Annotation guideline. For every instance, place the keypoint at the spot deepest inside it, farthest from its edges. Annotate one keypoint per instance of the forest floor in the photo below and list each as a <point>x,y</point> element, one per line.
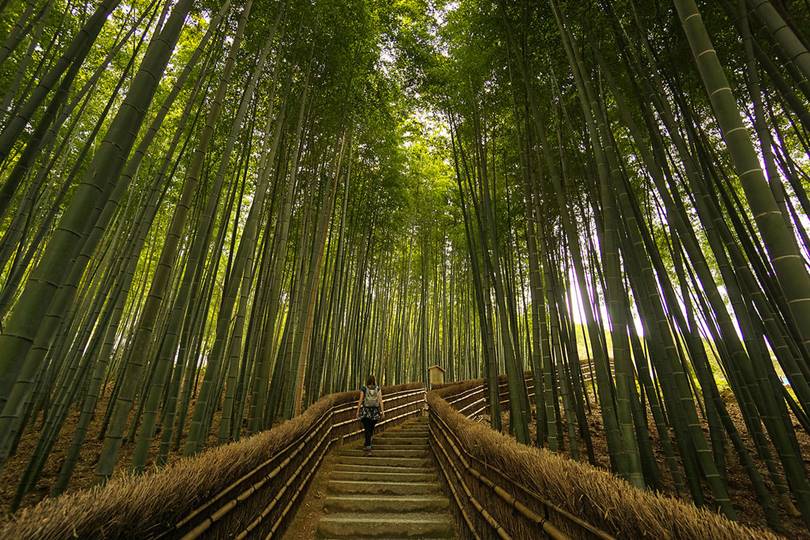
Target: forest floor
<point>750,513</point>
<point>84,472</point>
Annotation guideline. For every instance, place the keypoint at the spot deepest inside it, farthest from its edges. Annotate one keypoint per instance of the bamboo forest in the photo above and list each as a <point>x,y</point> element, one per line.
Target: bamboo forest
<point>569,240</point>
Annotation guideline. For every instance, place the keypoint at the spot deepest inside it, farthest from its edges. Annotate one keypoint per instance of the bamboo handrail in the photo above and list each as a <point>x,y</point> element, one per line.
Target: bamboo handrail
<point>454,492</point>
<point>282,459</point>
<point>329,429</point>
<point>539,498</point>
<point>509,499</point>
<point>505,476</point>
<point>295,474</point>
<point>294,497</point>
<point>394,396</point>
<point>476,402</point>
<point>257,521</point>
<point>243,496</point>
<point>464,394</point>
<point>296,442</point>
<point>350,420</point>
<point>548,527</point>
<point>489,518</point>
<point>357,432</point>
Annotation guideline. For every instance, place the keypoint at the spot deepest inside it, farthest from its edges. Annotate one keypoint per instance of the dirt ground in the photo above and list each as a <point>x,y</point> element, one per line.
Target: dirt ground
<point>305,523</point>
<point>83,473</point>
<point>740,490</point>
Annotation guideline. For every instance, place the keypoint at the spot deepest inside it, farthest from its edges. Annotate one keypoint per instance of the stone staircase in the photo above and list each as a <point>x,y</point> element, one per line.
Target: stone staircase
<point>392,493</point>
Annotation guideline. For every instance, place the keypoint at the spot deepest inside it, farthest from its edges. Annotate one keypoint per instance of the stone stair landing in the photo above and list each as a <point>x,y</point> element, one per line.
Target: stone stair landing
<point>393,492</point>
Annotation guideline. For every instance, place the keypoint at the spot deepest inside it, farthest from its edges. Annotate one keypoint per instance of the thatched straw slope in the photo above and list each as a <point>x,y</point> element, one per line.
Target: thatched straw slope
<point>596,496</point>
<point>144,506</point>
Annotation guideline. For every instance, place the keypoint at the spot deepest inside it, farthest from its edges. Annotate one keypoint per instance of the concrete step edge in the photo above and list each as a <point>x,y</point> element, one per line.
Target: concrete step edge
<point>372,505</point>
<point>417,524</point>
<point>372,459</point>
<point>429,476</point>
<point>355,487</point>
<point>372,499</point>
<point>364,482</point>
<point>348,467</point>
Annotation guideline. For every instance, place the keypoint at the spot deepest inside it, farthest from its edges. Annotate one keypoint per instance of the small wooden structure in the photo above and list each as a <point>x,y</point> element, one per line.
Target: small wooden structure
<point>435,375</point>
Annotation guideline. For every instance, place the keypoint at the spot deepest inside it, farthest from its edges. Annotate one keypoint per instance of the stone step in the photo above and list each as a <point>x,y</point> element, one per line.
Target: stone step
<point>404,433</point>
<point>390,461</point>
<point>385,469</point>
<point>391,439</point>
<point>419,431</point>
<point>400,444</point>
<point>361,525</point>
<point>392,474</point>
<point>388,446</point>
<point>401,439</point>
<point>358,487</point>
<point>385,452</point>
<point>390,503</point>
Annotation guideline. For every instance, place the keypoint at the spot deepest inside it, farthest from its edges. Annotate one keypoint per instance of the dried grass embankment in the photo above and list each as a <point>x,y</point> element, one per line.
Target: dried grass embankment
<point>147,505</point>
<point>595,496</point>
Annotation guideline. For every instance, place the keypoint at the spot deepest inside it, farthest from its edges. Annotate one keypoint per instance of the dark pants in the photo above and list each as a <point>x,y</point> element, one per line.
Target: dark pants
<point>368,429</point>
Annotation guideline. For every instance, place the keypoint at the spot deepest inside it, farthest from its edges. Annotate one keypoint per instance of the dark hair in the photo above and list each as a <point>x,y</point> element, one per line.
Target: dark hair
<point>371,381</point>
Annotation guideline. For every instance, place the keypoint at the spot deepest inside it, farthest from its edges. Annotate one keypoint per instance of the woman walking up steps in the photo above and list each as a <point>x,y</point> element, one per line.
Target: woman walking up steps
<point>370,409</point>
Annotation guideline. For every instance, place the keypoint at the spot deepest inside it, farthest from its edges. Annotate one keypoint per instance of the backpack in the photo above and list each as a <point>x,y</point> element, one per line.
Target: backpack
<point>372,398</point>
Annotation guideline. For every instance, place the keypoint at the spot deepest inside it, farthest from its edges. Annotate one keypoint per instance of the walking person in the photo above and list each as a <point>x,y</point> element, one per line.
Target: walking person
<point>370,409</point>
